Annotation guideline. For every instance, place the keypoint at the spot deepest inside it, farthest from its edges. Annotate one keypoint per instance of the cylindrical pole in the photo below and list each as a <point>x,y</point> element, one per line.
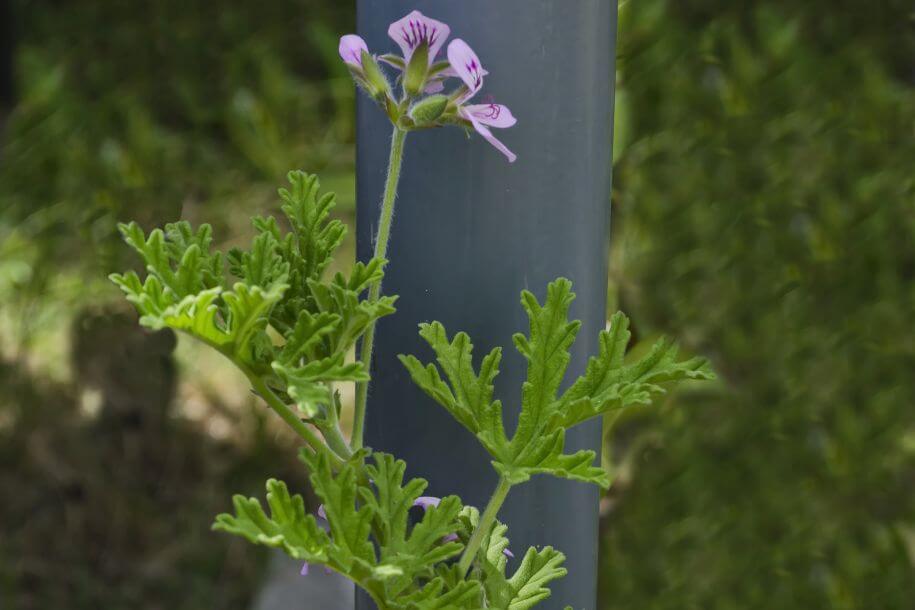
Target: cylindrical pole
<point>471,231</point>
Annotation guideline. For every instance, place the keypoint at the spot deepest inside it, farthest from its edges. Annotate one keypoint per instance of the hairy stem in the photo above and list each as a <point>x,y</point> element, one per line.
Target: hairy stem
<point>331,428</point>
<point>336,442</point>
<point>381,250</point>
<point>485,524</point>
<point>300,427</point>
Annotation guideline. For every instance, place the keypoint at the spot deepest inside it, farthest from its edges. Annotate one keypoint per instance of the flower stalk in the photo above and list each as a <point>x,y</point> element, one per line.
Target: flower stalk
<point>300,427</point>
<point>485,524</point>
<point>381,248</point>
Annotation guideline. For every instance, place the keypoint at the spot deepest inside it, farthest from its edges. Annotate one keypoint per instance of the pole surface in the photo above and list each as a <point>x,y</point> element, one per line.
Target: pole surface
<point>471,231</point>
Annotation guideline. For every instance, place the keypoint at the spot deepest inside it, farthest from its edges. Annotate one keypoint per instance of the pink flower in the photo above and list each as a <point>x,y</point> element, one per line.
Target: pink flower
<point>427,501</point>
<point>351,48</point>
<point>468,68</point>
<point>411,31</point>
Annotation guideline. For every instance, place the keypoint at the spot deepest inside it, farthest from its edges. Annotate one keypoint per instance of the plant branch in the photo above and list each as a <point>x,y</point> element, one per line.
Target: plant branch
<point>331,427</point>
<point>381,250</point>
<point>300,427</point>
<point>485,525</point>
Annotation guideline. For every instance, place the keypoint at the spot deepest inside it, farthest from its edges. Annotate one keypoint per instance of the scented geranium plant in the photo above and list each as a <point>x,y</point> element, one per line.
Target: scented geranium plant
<point>274,311</point>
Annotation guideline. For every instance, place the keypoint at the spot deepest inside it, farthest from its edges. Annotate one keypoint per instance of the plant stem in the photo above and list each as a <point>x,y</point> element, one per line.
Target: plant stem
<point>331,428</point>
<point>381,250</point>
<point>485,525</point>
<point>292,419</point>
<point>336,442</point>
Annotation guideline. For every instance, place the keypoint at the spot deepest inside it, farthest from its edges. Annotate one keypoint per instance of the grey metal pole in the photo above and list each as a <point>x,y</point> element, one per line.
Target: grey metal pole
<point>471,231</point>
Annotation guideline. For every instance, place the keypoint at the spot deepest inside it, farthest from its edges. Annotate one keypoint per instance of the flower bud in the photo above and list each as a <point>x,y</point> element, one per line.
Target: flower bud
<point>428,110</point>
<point>414,80</point>
<point>374,79</point>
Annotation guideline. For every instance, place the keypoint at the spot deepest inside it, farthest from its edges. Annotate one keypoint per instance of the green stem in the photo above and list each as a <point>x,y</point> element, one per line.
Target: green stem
<point>331,428</point>
<point>292,419</point>
<point>381,250</point>
<point>336,442</point>
<point>485,525</point>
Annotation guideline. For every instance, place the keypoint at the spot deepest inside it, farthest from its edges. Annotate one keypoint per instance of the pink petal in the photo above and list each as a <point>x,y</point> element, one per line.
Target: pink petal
<point>436,82</point>
<point>351,48</point>
<point>484,131</point>
<point>466,65</point>
<point>435,85</point>
<point>495,115</point>
<point>414,29</point>
<point>427,501</point>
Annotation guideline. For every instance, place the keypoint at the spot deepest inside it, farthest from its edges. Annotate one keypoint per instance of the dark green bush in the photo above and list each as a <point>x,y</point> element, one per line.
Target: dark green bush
<point>765,213</point>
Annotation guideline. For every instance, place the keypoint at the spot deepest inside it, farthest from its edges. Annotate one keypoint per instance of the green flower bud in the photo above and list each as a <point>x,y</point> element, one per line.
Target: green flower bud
<point>414,80</point>
<point>428,110</point>
<point>375,80</point>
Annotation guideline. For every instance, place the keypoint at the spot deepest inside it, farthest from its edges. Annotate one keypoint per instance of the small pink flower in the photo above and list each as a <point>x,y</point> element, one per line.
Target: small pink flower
<point>409,33</point>
<point>415,29</point>
<point>351,48</point>
<point>468,68</point>
<point>427,501</point>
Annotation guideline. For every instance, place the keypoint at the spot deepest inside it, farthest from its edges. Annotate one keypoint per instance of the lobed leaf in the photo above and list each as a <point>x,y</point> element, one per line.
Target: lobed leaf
<point>288,527</point>
<point>467,395</point>
<point>309,385</point>
<point>537,445</point>
<point>609,385</point>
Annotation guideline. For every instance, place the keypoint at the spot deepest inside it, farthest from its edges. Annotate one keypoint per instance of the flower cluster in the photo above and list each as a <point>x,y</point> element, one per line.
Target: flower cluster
<point>423,77</point>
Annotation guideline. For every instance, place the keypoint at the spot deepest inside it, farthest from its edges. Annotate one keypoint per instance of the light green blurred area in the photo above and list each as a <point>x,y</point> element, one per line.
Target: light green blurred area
<point>763,214</point>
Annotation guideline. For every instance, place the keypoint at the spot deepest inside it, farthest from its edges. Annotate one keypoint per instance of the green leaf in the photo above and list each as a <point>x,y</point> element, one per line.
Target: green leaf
<point>305,338</point>
<point>527,586</point>
<point>468,395</point>
<point>308,385</point>
<point>609,385</point>
<point>338,298</point>
<point>391,502</point>
<point>436,596</point>
<point>178,257</point>
<point>406,556</point>
<point>249,310</point>
<point>178,292</point>
<point>288,527</point>
<point>415,551</point>
<point>491,557</point>
<point>537,445</point>
<point>374,540</point>
<point>262,265</point>
<point>232,332</point>
<point>316,235</point>
<point>547,354</point>
<point>350,524</point>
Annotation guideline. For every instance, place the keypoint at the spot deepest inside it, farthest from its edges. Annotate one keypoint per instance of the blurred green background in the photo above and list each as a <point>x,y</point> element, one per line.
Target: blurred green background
<point>763,213</point>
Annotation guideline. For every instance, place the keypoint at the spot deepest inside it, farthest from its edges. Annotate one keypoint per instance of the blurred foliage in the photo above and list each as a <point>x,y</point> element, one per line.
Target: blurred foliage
<point>765,212</point>
<point>151,111</point>
<point>156,109</point>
